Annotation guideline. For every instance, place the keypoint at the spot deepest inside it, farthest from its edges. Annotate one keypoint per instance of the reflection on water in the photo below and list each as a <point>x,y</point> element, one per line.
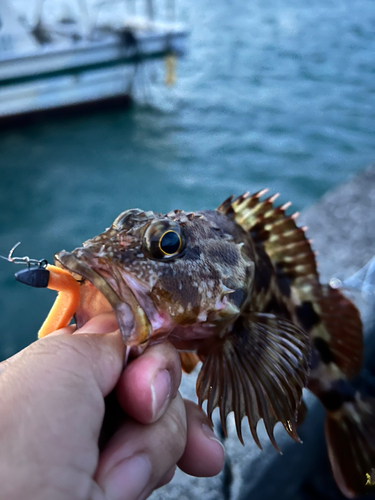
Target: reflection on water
<point>276,94</point>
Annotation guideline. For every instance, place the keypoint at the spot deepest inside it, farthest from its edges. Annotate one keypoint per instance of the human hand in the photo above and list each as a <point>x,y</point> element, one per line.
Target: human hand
<point>52,409</point>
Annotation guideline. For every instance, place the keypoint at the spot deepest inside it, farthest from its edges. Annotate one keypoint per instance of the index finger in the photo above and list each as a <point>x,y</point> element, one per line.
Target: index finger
<point>150,382</point>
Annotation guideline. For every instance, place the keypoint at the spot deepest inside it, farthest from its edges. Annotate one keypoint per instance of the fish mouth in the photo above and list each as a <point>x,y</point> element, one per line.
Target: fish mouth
<point>132,320</point>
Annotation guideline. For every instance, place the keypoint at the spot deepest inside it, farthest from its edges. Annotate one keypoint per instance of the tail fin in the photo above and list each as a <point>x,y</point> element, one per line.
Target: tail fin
<point>350,436</point>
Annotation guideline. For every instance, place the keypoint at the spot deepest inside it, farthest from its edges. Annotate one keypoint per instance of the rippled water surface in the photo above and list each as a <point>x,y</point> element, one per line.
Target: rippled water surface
<point>277,94</point>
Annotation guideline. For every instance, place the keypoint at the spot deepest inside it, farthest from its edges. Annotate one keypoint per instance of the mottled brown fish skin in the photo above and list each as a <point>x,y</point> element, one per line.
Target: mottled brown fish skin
<point>238,289</point>
<point>289,286</point>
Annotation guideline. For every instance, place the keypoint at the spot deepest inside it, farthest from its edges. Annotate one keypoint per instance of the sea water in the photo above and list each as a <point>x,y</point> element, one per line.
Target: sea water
<point>277,94</point>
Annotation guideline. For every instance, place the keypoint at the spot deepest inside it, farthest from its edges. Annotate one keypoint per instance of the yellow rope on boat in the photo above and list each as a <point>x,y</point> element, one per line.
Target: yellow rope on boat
<point>170,66</point>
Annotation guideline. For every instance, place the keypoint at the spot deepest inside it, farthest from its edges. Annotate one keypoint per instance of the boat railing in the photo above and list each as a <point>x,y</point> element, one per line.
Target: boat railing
<point>132,12</point>
<point>149,9</point>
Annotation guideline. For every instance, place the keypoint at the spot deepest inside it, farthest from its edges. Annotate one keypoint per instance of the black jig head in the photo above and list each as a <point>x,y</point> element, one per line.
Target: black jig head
<point>35,274</point>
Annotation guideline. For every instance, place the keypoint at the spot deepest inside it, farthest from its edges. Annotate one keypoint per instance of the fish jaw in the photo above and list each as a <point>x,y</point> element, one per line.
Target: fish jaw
<point>106,288</point>
<point>101,292</point>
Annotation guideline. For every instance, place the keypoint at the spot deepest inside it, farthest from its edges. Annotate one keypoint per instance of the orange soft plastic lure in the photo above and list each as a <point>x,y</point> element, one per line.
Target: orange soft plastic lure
<point>68,293</point>
<point>40,274</point>
<point>66,302</point>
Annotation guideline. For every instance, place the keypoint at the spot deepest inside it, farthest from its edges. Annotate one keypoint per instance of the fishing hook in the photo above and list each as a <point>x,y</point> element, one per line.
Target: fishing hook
<point>24,260</point>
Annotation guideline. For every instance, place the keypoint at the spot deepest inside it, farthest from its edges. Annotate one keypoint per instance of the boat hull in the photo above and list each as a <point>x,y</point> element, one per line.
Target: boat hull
<point>73,71</point>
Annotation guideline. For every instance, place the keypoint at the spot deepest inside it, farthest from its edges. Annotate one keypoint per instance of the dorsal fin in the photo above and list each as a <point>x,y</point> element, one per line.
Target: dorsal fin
<point>269,226</point>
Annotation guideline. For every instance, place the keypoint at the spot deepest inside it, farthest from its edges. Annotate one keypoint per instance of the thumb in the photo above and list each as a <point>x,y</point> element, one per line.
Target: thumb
<point>109,350</point>
<point>97,346</point>
<point>90,353</point>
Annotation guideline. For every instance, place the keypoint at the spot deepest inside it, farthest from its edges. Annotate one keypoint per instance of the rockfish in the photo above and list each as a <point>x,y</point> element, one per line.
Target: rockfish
<point>238,289</point>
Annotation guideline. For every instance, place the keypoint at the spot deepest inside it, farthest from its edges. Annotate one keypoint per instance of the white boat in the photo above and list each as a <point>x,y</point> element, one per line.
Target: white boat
<point>69,63</point>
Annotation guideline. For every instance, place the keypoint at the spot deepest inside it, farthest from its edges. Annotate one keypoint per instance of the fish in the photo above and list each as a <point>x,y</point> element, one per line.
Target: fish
<point>237,289</point>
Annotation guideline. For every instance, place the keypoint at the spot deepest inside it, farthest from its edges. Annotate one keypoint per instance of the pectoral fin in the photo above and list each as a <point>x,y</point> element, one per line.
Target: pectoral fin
<point>257,370</point>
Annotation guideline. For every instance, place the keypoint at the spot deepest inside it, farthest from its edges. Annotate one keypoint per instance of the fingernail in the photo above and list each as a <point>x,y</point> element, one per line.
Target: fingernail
<point>208,432</point>
<point>104,323</point>
<point>160,391</point>
<point>128,478</point>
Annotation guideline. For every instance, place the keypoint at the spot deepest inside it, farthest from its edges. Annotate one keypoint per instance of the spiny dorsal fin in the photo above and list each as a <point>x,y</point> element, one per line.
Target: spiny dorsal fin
<point>284,242</point>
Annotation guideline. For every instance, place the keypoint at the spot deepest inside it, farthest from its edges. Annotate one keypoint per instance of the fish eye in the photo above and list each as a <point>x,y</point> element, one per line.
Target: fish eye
<point>170,242</point>
<point>163,240</point>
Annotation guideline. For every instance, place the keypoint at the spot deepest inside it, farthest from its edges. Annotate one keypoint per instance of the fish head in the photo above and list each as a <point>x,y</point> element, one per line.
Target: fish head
<point>163,273</point>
